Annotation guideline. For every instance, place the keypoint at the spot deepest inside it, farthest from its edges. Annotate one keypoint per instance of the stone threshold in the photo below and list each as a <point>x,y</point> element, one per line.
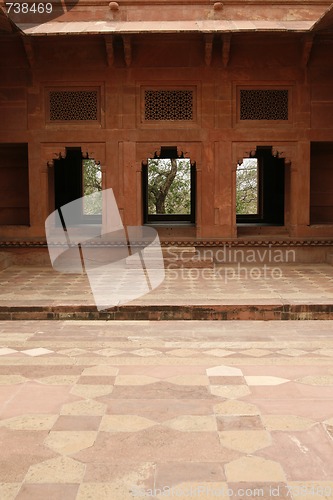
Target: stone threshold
<point>267,312</point>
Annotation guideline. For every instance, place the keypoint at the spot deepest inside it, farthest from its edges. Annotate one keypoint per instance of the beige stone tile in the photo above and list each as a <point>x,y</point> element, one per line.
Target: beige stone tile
<point>311,490</point>
<point>247,441</point>
<point>220,353</point>
<point>230,391</point>
<point>77,423</point>
<point>265,380</point>
<point>107,491</point>
<point>316,380</point>
<point>256,353</point>
<point>254,469</point>
<point>12,379</point>
<point>134,380</point>
<point>86,407</point>
<point>183,353</point>
<point>56,470</point>
<point>147,352</point>
<point>189,380</point>
<point>224,371</point>
<point>109,352</point>
<point>30,422</point>
<point>72,352</point>
<point>203,490</point>
<point>51,491</point>
<point>69,442</point>
<point>91,391</point>
<point>101,370</point>
<point>234,407</point>
<point>58,380</point>
<point>125,423</point>
<point>8,491</point>
<point>287,422</point>
<point>324,352</point>
<point>292,352</point>
<point>191,423</point>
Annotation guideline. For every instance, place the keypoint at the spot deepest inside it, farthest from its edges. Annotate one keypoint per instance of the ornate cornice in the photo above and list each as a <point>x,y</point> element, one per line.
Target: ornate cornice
<point>315,242</point>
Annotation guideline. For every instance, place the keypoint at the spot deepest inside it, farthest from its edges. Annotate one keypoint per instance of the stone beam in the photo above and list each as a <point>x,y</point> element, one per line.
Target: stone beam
<point>108,40</point>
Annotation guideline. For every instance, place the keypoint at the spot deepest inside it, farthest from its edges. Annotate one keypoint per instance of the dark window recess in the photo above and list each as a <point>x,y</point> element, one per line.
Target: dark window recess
<point>76,177</point>
<point>264,104</point>
<point>268,190</point>
<point>73,105</point>
<point>168,105</point>
<point>168,182</point>
<point>14,184</point>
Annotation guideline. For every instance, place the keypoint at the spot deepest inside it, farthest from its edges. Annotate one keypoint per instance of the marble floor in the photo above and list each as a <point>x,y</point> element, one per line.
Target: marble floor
<point>177,409</point>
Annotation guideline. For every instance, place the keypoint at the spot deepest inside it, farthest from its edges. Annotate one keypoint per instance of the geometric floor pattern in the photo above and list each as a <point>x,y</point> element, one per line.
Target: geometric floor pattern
<point>177,409</point>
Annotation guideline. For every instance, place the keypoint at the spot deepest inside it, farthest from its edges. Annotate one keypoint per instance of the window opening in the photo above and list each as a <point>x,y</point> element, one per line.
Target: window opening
<point>247,187</point>
<point>260,185</point>
<point>168,181</point>
<point>75,177</point>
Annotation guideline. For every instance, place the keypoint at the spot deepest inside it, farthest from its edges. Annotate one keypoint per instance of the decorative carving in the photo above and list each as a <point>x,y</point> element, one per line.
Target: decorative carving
<point>67,105</point>
<point>108,40</point>
<point>127,49</point>
<point>168,105</point>
<point>307,49</point>
<point>263,104</point>
<point>208,49</point>
<point>226,45</point>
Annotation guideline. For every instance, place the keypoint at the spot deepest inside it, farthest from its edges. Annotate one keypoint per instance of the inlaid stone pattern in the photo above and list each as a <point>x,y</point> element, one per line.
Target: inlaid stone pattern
<point>119,410</point>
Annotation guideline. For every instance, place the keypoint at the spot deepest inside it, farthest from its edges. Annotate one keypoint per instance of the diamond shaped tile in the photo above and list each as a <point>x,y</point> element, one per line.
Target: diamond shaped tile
<point>109,352</point>
<point>220,353</point>
<point>182,353</point>
<point>254,469</point>
<point>6,350</point>
<point>292,352</point>
<point>233,407</point>
<point>56,470</point>
<point>245,441</point>
<point>38,351</point>
<point>324,352</point>
<point>146,352</point>
<point>321,380</point>
<point>256,353</point>
<point>287,423</point>
<point>192,423</point>
<point>265,380</point>
<point>230,391</point>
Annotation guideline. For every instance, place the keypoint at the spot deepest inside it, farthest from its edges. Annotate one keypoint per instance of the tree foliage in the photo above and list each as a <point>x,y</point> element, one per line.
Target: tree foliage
<point>247,187</point>
<point>92,183</point>
<point>169,186</point>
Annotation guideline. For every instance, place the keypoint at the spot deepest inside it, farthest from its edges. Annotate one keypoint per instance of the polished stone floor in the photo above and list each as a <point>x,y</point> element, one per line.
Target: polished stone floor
<point>178,409</point>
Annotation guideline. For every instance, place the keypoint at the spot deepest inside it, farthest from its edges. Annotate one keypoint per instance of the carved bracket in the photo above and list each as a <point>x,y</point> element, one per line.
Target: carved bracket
<point>307,49</point>
<point>29,50</point>
<point>127,49</point>
<point>226,44</point>
<point>108,40</point>
<point>208,49</point>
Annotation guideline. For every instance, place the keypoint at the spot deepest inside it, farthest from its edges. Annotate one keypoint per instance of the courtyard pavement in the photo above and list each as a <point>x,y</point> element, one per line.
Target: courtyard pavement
<point>115,410</point>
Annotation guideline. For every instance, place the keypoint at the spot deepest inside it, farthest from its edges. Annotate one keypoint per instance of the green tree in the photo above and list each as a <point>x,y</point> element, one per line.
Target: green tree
<point>92,183</point>
<point>169,186</point>
<point>247,187</point>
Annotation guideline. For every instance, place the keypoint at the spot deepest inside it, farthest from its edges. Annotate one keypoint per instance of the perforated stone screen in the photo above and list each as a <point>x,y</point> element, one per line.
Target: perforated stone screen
<point>262,104</point>
<point>73,105</point>
<point>168,105</point>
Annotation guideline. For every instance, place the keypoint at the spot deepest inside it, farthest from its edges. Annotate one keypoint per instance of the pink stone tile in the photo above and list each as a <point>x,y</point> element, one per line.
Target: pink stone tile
<point>305,456</point>
<point>51,491</point>
<point>157,444</point>
<point>290,390</point>
<point>159,410</point>
<point>37,398</point>
<point>316,410</point>
<point>77,423</point>
<point>173,473</point>
<point>19,450</point>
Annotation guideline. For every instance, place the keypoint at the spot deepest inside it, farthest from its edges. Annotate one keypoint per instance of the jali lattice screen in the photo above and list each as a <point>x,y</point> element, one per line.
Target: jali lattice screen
<point>66,105</point>
<point>262,104</point>
<point>168,105</point>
